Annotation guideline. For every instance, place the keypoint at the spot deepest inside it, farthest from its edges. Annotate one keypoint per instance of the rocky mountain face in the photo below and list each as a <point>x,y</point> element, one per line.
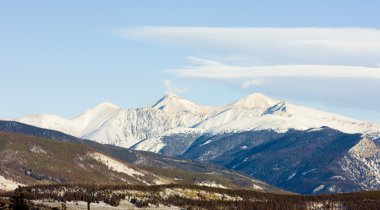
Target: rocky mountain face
<point>307,162</point>
<point>294,147</point>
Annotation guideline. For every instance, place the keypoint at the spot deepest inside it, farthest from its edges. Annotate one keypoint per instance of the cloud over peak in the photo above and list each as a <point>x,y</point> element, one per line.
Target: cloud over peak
<point>336,66</point>
<point>218,70</point>
<point>332,46</point>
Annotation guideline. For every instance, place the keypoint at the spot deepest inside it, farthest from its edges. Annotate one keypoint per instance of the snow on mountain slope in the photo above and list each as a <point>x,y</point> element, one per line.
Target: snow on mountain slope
<point>362,164</point>
<point>85,123</point>
<point>93,118</point>
<point>7,184</point>
<point>115,165</point>
<point>156,144</point>
<point>52,122</point>
<point>110,124</point>
<point>282,117</point>
<point>249,107</point>
<point>130,126</point>
<point>230,115</point>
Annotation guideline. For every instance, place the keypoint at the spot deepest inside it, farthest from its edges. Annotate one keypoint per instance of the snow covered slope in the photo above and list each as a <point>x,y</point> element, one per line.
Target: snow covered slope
<point>52,122</point>
<point>95,117</point>
<point>8,185</point>
<point>82,125</point>
<point>109,124</point>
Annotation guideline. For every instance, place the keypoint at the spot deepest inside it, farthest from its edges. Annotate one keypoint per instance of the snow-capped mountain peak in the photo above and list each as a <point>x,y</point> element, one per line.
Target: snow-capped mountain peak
<point>93,112</point>
<point>93,118</point>
<point>174,104</point>
<point>256,100</point>
<point>167,99</point>
<point>106,105</point>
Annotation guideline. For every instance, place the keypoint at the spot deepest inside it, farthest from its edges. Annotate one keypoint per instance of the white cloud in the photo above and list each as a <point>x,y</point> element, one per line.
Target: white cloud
<point>201,61</point>
<point>171,88</point>
<point>353,87</point>
<point>338,67</point>
<point>272,46</point>
<point>223,71</point>
<point>252,83</point>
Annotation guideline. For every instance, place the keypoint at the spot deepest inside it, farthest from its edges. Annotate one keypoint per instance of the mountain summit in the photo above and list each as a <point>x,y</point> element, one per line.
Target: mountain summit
<point>256,100</point>
<point>173,103</point>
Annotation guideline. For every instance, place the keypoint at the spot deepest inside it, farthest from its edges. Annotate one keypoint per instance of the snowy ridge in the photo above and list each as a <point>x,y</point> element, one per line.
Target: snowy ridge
<point>109,124</point>
<point>85,123</point>
<point>52,122</point>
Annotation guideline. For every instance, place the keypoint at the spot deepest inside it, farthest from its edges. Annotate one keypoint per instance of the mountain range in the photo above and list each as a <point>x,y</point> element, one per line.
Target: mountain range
<point>293,147</point>
<point>30,155</point>
<point>110,124</point>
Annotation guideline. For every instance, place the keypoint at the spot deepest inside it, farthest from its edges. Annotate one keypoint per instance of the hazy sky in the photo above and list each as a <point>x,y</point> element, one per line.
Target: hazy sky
<point>63,57</point>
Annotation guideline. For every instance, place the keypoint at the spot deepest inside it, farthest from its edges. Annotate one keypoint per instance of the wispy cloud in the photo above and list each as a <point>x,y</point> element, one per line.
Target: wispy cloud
<point>171,88</point>
<point>252,83</point>
<point>336,66</point>
<point>313,79</point>
<point>332,46</point>
<point>218,70</point>
<point>345,86</point>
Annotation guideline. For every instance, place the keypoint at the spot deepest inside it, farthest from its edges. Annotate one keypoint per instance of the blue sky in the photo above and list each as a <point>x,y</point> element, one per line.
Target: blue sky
<point>65,57</point>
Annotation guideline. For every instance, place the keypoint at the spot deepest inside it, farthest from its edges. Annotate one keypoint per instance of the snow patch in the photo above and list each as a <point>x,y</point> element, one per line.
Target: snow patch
<point>319,188</point>
<point>338,178</point>
<point>115,165</point>
<point>211,184</point>
<point>292,175</point>
<point>207,142</point>
<point>256,187</point>
<point>309,171</point>
<point>37,149</point>
<point>8,185</point>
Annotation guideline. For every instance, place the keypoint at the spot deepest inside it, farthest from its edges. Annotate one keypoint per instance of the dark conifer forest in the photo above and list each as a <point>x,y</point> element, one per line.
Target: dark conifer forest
<point>152,196</point>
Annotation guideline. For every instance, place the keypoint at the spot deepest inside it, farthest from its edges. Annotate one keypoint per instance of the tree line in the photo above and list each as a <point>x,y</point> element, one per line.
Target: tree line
<point>248,199</point>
